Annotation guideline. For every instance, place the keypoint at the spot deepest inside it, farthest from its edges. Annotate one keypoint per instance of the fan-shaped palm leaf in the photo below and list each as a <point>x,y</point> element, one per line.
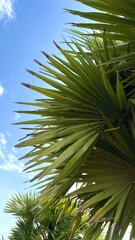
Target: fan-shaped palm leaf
<point>21,205</point>
<point>86,130</point>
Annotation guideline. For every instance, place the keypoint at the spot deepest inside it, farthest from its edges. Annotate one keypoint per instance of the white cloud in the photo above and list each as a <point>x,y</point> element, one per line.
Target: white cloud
<point>9,161</point>
<point>7,166</point>
<point>2,155</point>
<point>2,139</point>
<point>1,90</point>
<point>17,116</point>
<point>6,9</point>
<point>14,150</point>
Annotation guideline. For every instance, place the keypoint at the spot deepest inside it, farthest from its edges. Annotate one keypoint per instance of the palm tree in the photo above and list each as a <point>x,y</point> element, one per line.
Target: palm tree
<point>86,130</point>
<point>28,226</point>
<point>22,207</point>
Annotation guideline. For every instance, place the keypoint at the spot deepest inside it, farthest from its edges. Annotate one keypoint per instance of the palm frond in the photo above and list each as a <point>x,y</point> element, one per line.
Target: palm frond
<point>116,18</point>
<point>86,130</point>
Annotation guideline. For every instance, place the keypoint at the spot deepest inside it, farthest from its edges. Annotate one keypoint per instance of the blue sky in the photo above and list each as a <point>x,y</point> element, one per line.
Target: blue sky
<point>26,27</point>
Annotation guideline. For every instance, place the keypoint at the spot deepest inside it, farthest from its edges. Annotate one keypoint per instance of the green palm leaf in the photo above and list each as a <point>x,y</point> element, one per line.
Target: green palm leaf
<point>117,17</point>
<point>86,130</point>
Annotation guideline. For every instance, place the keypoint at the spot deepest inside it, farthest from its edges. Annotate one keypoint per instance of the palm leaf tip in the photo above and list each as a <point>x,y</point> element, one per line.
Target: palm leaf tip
<point>56,45</point>
<point>26,84</point>
<point>30,71</point>
<point>45,54</point>
<point>38,62</point>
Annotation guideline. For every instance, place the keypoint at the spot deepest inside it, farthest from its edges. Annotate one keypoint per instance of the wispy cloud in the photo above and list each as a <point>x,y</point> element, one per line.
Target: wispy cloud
<point>9,161</point>
<point>6,9</point>
<point>17,116</point>
<point>8,189</point>
<point>1,90</point>
<point>7,166</point>
<point>2,140</point>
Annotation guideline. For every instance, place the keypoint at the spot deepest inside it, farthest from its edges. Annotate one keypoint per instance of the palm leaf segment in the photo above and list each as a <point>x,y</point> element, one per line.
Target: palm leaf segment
<point>86,132</point>
<point>116,18</point>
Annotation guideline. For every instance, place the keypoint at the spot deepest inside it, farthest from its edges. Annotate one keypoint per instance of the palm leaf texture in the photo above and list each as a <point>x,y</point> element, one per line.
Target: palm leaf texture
<point>85,132</point>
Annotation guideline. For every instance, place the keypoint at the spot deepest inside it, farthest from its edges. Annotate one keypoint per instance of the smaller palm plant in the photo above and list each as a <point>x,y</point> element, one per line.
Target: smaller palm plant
<point>52,225</point>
